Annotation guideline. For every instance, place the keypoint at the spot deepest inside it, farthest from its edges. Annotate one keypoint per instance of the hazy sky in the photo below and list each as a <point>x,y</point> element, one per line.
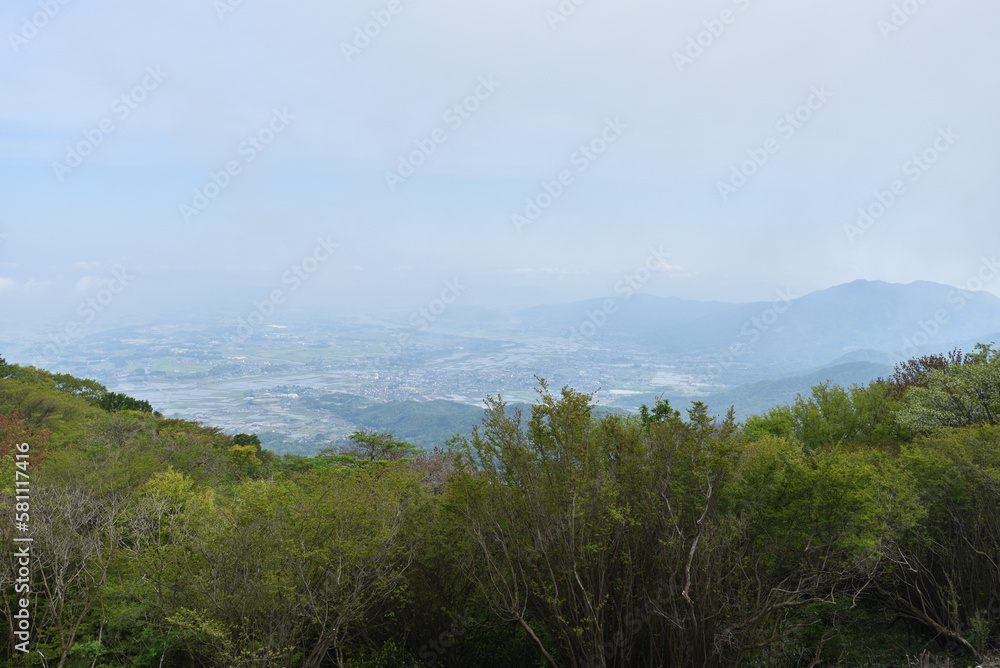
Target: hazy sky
<point>116,115</point>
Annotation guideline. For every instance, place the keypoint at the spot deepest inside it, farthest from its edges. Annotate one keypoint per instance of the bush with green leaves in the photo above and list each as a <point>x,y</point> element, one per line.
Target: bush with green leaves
<point>960,394</point>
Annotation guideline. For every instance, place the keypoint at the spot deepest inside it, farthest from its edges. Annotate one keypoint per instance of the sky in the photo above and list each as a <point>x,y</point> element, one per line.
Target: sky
<point>194,155</point>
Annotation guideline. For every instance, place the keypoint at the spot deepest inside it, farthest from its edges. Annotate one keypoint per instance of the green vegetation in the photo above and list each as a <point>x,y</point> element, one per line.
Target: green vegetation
<point>856,526</point>
<point>423,423</point>
<point>759,397</point>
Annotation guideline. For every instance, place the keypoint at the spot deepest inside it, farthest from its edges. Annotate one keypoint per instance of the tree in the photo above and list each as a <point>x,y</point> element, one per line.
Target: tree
<point>247,455</point>
<point>940,566</point>
<point>14,430</point>
<point>86,388</point>
<point>531,505</point>
<point>434,468</point>
<point>661,412</point>
<point>915,372</point>
<point>248,439</point>
<point>76,535</point>
<point>955,395</point>
<point>114,401</point>
<point>278,573</point>
<point>244,458</point>
<point>834,415</point>
<point>368,446</point>
<point>619,542</point>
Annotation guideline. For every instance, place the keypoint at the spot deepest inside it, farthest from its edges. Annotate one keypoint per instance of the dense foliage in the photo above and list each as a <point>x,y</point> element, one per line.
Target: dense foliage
<point>857,526</point>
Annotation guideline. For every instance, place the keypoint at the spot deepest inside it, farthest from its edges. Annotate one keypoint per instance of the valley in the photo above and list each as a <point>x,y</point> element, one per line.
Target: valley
<point>289,380</point>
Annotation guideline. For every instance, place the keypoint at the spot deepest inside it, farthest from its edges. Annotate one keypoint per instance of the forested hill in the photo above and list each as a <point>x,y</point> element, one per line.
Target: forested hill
<point>853,526</point>
<point>755,398</point>
<point>427,424</point>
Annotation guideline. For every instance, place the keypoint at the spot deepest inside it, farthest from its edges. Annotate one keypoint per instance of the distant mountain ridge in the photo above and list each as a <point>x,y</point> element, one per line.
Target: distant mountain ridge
<point>888,321</point>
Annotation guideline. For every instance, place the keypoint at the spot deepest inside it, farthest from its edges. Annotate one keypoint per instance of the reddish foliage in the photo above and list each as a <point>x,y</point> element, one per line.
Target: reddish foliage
<point>14,430</point>
<point>914,372</point>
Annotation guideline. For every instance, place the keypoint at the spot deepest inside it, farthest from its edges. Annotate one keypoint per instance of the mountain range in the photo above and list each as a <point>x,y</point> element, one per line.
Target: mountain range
<point>871,321</point>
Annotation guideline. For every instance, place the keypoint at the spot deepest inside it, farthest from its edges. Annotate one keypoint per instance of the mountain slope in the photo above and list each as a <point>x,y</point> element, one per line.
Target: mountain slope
<point>888,321</point>
<point>757,398</point>
<point>822,326</point>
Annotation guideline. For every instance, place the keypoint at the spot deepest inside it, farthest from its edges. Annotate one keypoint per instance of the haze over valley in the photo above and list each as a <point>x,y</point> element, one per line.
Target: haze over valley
<point>303,381</point>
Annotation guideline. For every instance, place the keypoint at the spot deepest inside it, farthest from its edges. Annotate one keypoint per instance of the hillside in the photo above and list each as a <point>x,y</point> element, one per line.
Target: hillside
<point>144,529</point>
<point>427,424</point>
<point>757,398</point>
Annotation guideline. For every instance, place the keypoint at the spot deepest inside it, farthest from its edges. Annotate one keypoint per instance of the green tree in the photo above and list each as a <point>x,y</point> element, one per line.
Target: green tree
<point>959,394</point>
<point>941,568</point>
<point>277,572</point>
<point>833,414</point>
<point>366,446</point>
<point>618,542</point>
<point>914,372</point>
<point>661,412</point>
<point>114,401</point>
<point>248,439</point>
